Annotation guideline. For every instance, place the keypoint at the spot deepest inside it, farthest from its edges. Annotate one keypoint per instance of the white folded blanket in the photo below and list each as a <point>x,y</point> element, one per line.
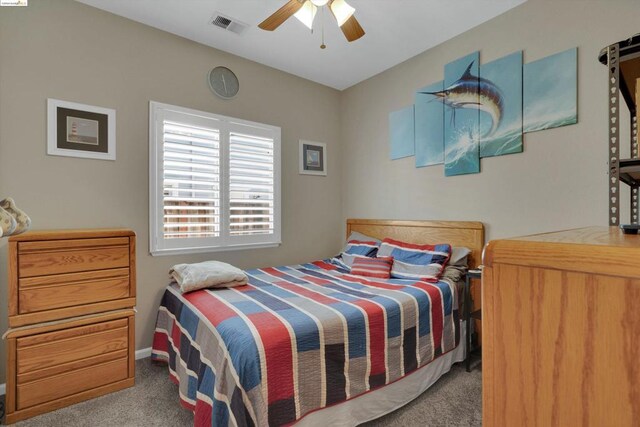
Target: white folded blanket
<point>208,274</point>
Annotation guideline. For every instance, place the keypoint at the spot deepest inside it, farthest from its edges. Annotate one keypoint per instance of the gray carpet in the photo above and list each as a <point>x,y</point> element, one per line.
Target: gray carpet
<point>455,400</point>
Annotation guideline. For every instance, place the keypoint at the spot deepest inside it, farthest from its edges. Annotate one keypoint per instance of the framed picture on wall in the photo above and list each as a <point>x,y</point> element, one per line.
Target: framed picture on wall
<point>79,130</point>
<point>313,158</point>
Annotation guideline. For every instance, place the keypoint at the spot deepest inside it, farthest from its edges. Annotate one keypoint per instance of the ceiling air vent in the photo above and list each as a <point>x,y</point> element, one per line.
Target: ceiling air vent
<point>229,24</point>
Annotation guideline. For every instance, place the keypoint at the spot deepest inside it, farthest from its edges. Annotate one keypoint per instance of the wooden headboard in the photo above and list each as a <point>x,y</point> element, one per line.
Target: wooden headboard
<point>469,234</point>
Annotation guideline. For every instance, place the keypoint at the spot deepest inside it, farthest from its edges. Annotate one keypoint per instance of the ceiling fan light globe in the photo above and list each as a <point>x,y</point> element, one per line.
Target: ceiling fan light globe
<point>342,11</point>
<point>307,14</point>
<point>319,3</point>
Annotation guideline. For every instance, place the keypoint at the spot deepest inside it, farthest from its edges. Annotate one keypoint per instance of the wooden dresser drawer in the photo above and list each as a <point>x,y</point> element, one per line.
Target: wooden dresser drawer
<point>58,275</point>
<point>39,352</point>
<point>68,290</point>
<point>55,365</point>
<point>70,383</point>
<point>70,256</point>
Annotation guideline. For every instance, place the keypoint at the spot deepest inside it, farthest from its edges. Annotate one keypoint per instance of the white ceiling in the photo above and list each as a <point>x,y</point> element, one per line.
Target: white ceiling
<point>396,31</point>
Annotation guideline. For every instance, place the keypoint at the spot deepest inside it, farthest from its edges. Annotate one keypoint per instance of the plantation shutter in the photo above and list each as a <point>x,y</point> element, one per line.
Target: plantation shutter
<point>214,182</point>
<point>251,182</point>
<point>191,181</point>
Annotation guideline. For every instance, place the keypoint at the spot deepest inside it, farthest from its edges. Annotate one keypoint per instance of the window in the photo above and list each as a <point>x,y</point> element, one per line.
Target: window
<point>214,182</point>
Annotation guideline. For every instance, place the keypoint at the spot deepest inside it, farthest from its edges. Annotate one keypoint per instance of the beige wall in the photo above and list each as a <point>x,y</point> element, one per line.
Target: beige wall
<point>66,50</point>
<point>559,181</point>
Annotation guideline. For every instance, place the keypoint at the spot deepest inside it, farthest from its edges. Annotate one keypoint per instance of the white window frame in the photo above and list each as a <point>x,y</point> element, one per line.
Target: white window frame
<point>158,112</point>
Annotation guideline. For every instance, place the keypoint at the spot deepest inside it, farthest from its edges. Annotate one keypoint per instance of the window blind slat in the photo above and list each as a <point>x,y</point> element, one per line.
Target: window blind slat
<point>176,165</point>
<point>250,149</point>
<point>188,194</point>
<point>190,142</point>
<point>200,225</point>
<point>190,208</point>
<point>213,200</point>
<point>245,216</point>
<point>254,195</point>
<point>189,234</point>
<point>191,130</point>
<point>189,216</point>
<point>252,140</point>
<point>200,175</point>
<point>192,158</point>
<point>253,232</point>
<point>246,225</point>
<point>238,202</point>
<point>251,172</point>
<point>237,185</point>
<point>171,182</point>
<point>257,157</point>
<point>250,213</point>
<point>175,147</point>
<point>251,165</point>
<point>253,182</point>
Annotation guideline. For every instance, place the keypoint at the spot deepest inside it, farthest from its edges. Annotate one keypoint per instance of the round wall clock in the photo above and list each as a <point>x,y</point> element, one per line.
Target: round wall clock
<point>223,82</point>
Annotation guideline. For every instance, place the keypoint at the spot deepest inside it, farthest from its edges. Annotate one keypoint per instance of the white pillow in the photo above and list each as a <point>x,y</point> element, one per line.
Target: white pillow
<point>459,255</point>
<point>208,274</point>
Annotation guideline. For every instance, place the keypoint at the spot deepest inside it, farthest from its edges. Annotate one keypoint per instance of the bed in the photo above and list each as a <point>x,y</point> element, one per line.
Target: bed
<point>313,344</point>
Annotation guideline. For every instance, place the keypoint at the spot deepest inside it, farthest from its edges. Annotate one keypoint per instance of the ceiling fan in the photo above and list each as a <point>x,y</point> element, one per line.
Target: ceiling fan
<point>305,11</point>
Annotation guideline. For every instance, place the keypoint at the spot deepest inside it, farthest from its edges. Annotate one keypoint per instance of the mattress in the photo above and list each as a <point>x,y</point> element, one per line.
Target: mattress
<point>298,339</point>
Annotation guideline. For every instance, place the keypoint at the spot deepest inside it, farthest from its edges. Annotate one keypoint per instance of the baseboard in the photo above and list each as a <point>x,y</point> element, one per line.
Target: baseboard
<point>143,353</point>
<point>140,354</point>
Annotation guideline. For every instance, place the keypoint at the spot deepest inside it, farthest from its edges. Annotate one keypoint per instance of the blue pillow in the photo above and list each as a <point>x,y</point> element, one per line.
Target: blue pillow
<point>416,262</point>
<point>356,249</point>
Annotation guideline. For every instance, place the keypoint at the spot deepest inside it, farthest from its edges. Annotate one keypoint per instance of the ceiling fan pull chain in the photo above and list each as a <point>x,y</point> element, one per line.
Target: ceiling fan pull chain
<point>323,46</point>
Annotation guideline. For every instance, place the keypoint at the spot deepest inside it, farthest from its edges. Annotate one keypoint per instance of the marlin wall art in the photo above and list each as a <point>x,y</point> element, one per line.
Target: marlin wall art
<point>473,92</point>
<point>501,106</point>
<point>462,116</point>
<point>476,112</point>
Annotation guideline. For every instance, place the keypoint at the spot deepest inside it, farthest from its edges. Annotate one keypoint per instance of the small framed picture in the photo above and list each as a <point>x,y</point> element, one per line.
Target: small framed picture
<point>79,130</point>
<point>313,158</point>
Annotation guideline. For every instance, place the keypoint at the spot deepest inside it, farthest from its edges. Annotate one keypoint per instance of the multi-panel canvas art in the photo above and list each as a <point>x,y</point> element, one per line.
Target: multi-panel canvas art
<point>501,106</point>
<point>483,110</point>
<point>401,133</point>
<point>461,116</point>
<point>551,91</point>
<point>429,125</point>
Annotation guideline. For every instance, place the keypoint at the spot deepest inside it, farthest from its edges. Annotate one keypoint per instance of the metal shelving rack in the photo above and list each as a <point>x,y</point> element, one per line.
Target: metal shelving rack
<point>623,61</point>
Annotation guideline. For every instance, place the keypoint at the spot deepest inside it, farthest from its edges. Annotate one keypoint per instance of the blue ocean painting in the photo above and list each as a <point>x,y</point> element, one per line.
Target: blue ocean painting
<point>401,133</point>
<point>429,125</point>
<point>551,91</point>
<point>501,106</point>
<point>462,116</point>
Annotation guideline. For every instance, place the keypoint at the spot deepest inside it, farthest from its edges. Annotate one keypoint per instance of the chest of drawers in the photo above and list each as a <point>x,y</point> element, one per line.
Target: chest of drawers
<point>562,329</point>
<point>71,298</point>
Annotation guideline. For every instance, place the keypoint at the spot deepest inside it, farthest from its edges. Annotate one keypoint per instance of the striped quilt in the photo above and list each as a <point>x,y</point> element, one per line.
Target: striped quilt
<point>297,339</point>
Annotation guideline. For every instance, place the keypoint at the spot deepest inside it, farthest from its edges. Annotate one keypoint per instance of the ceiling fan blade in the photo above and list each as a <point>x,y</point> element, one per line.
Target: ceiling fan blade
<point>281,15</point>
<point>352,29</point>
